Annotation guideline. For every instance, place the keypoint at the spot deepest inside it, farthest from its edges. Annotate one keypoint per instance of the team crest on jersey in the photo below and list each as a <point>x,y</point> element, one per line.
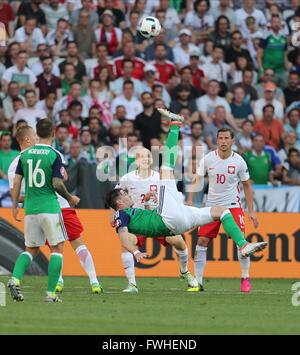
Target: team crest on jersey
<point>231,169</point>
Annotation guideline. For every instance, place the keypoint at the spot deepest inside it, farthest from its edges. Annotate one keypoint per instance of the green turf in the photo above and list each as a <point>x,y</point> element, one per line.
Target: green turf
<point>161,307</point>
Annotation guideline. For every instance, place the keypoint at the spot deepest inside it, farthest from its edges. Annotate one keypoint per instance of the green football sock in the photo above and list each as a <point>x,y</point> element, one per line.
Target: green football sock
<point>233,230</point>
<point>54,269</point>
<point>171,152</point>
<point>22,263</point>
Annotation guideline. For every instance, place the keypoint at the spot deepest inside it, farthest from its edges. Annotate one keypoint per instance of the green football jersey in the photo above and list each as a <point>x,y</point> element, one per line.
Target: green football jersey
<point>274,52</point>
<point>38,165</point>
<point>147,223</point>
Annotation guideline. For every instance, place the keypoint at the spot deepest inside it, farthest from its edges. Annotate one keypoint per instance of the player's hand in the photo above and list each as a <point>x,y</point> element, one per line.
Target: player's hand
<point>15,212</point>
<point>139,256</point>
<point>253,219</point>
<point>74,200</point>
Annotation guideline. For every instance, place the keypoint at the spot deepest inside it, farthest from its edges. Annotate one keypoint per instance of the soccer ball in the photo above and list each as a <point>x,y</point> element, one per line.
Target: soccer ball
<point>150,27</point>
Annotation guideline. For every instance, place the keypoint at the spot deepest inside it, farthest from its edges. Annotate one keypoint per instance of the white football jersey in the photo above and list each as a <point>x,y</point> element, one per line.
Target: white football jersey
<point>224,176</point>
<point>138,187</point>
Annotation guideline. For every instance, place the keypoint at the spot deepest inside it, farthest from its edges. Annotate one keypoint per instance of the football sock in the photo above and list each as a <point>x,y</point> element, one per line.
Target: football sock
<point>232,229</point>
<point>128,264</point>
<point>87,263</point>
<point>199,263</point>
<point>54,270</point>
<point>22,263</point>
<point>183,259</point>
<point>61,280</point>
<point>171,150</point>
<point>245,264</point>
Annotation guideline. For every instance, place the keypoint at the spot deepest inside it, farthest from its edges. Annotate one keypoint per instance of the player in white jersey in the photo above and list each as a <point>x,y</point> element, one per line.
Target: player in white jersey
<point>226,170</point>
<point>143,185</point>
<point>26,138</point>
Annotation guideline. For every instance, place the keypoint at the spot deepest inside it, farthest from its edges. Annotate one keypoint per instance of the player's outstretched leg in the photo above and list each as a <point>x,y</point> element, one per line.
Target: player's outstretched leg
<point>54,270</point>
<point>245,266</point>
<point>60,284</point>
<point>21,265</point>
<point>128,264</point>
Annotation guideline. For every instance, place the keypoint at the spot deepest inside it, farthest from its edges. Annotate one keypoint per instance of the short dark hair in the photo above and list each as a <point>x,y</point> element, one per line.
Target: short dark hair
<point>268,106</point>
<point>293,150</point>
<point>225,129</point>
<point>46,58</point>
<point>45,128</point>
<point>112,197</point>
<point>195,123</point>
<point>292,110</point>
<point>30,91</point>
<point>5,134</point>
<point>126,61</point>
<point>62,125</point>
<point>75,103</point>
<point>126,82</point>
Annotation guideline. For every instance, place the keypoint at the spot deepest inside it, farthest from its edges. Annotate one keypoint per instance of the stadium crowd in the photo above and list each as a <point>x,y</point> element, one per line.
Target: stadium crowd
<point>84,65</point>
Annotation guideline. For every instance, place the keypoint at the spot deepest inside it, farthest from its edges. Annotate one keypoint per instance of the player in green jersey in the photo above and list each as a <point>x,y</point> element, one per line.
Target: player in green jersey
<point>171,217</point>
<point>41,168</point>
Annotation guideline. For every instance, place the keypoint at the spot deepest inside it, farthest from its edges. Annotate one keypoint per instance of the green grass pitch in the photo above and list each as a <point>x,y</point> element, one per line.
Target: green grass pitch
<point>161,307</point>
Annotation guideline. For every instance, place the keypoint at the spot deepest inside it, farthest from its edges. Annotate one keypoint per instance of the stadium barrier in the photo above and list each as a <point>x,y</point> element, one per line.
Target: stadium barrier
<point>280,260</point>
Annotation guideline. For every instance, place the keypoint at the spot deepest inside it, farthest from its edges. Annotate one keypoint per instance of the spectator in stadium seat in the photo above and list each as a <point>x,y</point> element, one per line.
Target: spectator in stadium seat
<point>150,83</point>
<point>200,21</point>
<point>73,58</point>
<point>248,9</point>
<point>269,76</point>
<point>19,73</point>
<point>208,48</point>
<point>7,155</point>
<point>268,98</point>
<point>165,68</point>
<point>17,104</point>
<point>31,113</point>
<point>199,80</point>
<point>98,132</point>
<point>271,128</point>
<point>107,33</point>
<point>133,28</point>
<point>183,49</point>
<point>69,78</point>
<point>258,161</point>
<point>120,113</point>
<point>119,18</point>
<point>208,103</point>
<point>217,121</point>
<point>75,154</point>
<point>47,105</point>
<point>293,124</point>
<point>59,38</point>
<point>224,9</point>
<point>65,118</point>
<point>132,104</point>
<point>53,12</point>
<point>86,145</point>
<point>221,35</point>
<point>291,176</point>
<point>183,99</point>
<point>147,123</point>
<point>127,70</point>
<point>47,82</point>
<point>273,52</point>
<point>241,64</point>
<point>160,39</point>
<point>196,138</point>
<point>240,108</point>
<point>127,128</point>
<point>246,83</point>
<point>7,17</point>
<point>128,50</point>
<point>32,8</point>
<point>114,133</point>
<point>12,93</point>
<point>84,36</point>
<point>289,141</point>
<point>236,48</point>
<point>244,139</point>
<point>11,54</point>
<point>102,54</point>
<point>62,140</point>
<point>186,77</point>
<point>29,36</point>
<point>87,8</point>
<point>37,68</point>
<point>292,91</point>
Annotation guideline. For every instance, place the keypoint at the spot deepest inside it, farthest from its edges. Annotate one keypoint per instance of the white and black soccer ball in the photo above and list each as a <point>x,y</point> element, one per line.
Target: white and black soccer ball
<point>150,27</point>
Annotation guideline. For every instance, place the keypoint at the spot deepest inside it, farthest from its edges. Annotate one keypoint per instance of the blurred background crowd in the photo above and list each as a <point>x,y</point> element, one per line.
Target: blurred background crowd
<point>84,65</point>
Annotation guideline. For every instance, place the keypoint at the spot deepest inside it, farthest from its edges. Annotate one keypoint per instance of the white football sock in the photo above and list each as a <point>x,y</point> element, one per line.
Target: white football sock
<point>87,263</point>
<point>200,262</point>
<point>183,259</point>
<point>61,280</point>
<point>245,264</point>
<point>128,264</point>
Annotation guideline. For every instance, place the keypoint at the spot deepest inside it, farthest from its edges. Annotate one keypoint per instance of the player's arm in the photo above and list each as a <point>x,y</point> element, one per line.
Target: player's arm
<point>249,200</point>
<point>127,244</point>
<point>15,194</point>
